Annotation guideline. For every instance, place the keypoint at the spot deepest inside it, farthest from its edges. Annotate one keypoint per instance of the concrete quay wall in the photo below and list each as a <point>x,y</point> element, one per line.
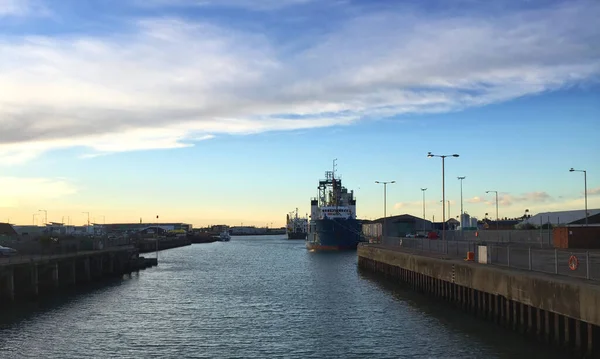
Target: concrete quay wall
<point>560,311</point>
<point>31,276</point>
<point>149,245</point>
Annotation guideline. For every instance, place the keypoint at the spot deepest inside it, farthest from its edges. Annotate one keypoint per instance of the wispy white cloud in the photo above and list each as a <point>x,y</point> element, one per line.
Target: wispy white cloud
<point>21,8</point>
<point>594,191</point>
<point>246,4</point>
<point>171,82</point>
<point>507,199</point>
<point>475,199</point>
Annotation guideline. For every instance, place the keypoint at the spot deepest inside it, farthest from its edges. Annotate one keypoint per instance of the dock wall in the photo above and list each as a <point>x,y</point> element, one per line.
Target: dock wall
<point>28,277</point>
<point>564,312</point>
<point>149,245</point>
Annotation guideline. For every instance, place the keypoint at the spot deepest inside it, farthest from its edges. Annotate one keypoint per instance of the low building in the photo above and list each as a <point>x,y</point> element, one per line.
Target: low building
<point>247,230</point>
<point>561,218</point>
<point>402,225</point>
<point>136,227</point>
<point>7,230</point>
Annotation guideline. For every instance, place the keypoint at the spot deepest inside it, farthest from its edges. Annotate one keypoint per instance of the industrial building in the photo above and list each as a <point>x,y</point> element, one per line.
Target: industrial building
<point>561,218</point>
<point>137,227</point>
<point>397,226</point>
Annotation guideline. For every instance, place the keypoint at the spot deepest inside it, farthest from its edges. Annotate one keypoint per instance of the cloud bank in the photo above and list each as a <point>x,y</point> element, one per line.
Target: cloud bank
<point>168,82</point>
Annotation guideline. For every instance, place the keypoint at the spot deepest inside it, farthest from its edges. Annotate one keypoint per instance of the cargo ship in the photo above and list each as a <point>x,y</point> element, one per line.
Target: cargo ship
<point>296,226</point>
<point>333,224</point>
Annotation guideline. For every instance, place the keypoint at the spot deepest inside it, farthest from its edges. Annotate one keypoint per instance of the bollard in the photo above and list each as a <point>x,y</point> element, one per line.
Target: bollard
<point>530,258</point>
<point>587,265</point>
<point>555,261</point>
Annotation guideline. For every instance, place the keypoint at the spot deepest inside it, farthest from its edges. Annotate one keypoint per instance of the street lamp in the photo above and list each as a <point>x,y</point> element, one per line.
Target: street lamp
<point>430,155</point>
<point>584,189</point>
<point>462,213</point>
<point>423,190</point>
<point>497,218</point>
<point>45,215</point>
<point>449,216</point>
<point>384,203</point>
<point>88,214</point>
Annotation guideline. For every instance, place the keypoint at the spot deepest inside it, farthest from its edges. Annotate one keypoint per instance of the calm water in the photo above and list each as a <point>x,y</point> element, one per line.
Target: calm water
<point>253,297</point>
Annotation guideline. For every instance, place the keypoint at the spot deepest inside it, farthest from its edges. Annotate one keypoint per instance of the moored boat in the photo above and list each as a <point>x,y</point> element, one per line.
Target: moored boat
<point>333,224</point>
<point>296,227</point>
<point>224,236</point>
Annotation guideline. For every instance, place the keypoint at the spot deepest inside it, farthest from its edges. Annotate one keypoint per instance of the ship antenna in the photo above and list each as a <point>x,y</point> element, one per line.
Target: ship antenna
<point>333,175</point>
<point>335,195</point>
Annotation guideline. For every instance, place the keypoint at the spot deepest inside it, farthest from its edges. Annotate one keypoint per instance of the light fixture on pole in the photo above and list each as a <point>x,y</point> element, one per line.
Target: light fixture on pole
<point>497,218</point>
<point>45,215</point>
<point>462,213</point>
<point>88,218</point>
<point>430,155</point>
<point>423,190</point>
<point>584,191</point>
<point>384,204</point>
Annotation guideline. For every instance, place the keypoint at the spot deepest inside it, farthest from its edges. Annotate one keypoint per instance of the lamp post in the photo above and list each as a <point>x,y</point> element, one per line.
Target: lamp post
<point>384,203</point>
<point>584,191</point>
<point>461,178</point>
<point>156,239</point>
<point>423,190</point>
<point>45,215</point>
<point>497,218</point>
<point>430,155</point>
<point>448,201</point>
<point>87,229</point>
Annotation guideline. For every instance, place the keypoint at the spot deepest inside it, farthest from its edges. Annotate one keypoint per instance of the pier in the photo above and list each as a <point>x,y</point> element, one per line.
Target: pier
<point>558,310</point>
<point>29,276</point>
<point>150,245</point>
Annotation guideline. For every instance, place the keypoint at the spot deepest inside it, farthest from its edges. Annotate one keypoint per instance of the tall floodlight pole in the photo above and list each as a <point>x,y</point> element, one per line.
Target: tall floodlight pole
<point>497,218</point>
<point>430,155</point>
<point>45,215</point>
<point>461,202</point>
<point>584,191</point>
<point>423,190</point>
<point>384,203</point>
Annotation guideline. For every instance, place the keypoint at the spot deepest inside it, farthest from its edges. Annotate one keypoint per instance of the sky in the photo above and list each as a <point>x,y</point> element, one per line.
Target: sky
<point>230,111</point>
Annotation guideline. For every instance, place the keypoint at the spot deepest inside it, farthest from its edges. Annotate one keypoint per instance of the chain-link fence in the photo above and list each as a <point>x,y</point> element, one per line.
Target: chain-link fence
<point>574,263</point>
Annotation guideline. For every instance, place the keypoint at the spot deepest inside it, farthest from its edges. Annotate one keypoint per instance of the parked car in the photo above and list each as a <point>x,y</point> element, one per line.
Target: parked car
<point>6,251</point>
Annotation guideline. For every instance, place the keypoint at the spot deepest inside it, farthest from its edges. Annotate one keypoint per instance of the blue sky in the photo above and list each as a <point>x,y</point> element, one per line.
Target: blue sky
<point>230,111</point>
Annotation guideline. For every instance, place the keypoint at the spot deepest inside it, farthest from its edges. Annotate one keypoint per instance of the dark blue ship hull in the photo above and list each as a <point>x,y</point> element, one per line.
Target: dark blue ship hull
<point>334,234</point>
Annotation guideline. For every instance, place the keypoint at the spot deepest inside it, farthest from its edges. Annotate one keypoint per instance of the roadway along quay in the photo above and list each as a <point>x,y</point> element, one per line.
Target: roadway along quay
<point>30,276</point>
<point>559,310</point>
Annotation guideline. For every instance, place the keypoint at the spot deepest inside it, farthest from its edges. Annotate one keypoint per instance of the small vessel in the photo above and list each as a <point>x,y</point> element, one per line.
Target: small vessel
<point>224,236</point>
<point>333,224</point>
<point>296,226</point>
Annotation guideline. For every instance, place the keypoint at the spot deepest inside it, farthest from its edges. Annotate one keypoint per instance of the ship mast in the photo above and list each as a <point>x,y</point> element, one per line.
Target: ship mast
<point>335,187</point>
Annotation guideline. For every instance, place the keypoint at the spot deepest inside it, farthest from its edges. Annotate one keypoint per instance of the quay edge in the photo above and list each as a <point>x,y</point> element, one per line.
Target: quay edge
<point>564,312</point>
<point>33,276</point>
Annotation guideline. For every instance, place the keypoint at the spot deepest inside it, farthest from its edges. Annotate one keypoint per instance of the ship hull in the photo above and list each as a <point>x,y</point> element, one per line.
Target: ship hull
<point>297,235</point>
<point>334,235</point>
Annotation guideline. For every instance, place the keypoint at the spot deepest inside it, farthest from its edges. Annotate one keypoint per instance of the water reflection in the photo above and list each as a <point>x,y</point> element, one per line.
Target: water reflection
<point>464,326</point>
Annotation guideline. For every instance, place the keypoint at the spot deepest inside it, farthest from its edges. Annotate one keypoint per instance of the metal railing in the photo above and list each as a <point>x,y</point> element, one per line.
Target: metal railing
<point>574,263</point>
